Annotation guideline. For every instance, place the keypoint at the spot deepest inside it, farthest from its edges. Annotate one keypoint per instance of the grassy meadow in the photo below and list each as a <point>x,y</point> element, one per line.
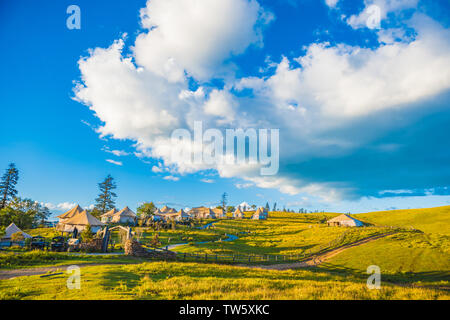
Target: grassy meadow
<point>175,280</point>
<point>414,262</point>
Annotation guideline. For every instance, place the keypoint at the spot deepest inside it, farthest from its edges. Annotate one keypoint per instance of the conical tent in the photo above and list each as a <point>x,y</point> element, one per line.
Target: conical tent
<point>83,219</point>
<point>71,213</point>
<point>11,229</point>
<point>124,216</point>
<point>238,213</point>
<point>109,213</point>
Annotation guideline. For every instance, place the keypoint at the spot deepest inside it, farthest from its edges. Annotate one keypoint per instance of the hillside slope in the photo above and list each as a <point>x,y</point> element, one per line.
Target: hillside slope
<point>429,220</point>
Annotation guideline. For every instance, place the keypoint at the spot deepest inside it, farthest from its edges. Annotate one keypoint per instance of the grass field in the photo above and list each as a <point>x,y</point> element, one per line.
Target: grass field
<point>161,280</point>
<point>414,262</point>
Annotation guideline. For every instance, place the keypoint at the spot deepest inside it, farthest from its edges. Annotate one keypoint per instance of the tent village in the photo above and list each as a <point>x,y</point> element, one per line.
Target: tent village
<point>77,223</point>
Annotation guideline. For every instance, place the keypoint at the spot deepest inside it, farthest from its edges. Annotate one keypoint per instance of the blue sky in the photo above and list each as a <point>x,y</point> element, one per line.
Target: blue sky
<point>363,113</point>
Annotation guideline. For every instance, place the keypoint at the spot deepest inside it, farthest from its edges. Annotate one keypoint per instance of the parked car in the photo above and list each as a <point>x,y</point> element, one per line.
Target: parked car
<point>58,244</point>
<point>38,242</point>
<point>73,244</point>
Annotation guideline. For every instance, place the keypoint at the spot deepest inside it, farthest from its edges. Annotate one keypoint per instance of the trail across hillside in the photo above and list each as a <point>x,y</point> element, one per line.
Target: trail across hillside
<point>319,258</point>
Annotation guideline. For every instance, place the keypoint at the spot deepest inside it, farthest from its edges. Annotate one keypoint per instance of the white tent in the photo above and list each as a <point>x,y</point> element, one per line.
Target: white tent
<point>345,220</point>
<point>11,229</point>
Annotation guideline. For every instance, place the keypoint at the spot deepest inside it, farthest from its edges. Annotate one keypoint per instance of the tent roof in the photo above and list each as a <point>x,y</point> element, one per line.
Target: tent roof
<point>344,217</point>
<point>109,213</point>
<point>11,229</point>
<point>126,212</point>
<point>84,218</point>
<point>72,212</point>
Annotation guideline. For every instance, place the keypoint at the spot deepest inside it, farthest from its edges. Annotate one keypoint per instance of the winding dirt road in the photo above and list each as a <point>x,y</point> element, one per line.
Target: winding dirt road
<point>318,259</point>
<point>314,261</point>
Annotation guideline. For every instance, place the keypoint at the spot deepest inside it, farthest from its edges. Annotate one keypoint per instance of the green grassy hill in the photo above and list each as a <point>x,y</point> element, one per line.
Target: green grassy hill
<point>429,220</point>
<point>423,256</point>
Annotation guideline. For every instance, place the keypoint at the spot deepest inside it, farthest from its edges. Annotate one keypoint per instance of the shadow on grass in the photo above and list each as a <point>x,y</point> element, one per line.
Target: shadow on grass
<point>406,278</point>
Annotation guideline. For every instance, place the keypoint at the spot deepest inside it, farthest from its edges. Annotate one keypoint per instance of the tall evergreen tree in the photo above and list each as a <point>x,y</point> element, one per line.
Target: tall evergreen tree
<point>224,201</point>
<point>274,207</point>
<point>105,200</point>
<point>267,206</point>
<point>8,184</point>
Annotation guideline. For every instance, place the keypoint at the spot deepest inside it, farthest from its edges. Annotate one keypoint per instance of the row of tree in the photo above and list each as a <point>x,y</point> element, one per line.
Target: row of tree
<point>25,213</point>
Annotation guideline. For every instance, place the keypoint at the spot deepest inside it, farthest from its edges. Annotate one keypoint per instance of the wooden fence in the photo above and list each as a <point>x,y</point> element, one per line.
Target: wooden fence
<point>263,258</point>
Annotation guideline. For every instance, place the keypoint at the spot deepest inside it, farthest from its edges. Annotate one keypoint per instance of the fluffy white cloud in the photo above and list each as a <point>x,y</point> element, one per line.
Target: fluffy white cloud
<point>196,36</point>
<point>331,3</point>
<point>145,99</point>
<point>344,81</point>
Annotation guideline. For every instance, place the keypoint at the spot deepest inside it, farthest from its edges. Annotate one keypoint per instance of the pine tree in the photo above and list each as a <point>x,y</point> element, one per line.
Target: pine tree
<point>274,207</point>
<point>267,207</point>
<point>8,184</point>
<point>105,200</point>
<point>224,201</point>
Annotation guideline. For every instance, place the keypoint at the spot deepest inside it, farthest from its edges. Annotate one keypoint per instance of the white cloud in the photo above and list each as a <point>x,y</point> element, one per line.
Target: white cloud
<point>345,81</point>
<point>117,163</point>
<point>325,89</point>
<point>196,36</point>
<point>331,3</point>
<point>171,178</point>
<point>207,180</point>
<point>117,153</point>
<point>63,206</point>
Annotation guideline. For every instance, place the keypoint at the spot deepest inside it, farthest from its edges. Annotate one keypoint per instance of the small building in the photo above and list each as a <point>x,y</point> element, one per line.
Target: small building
<point>238,214</point>
<point>107,217</point>
<point>126,215</point>
<point>80,222</point>
<point>345,220</point>
<point>10,230</point>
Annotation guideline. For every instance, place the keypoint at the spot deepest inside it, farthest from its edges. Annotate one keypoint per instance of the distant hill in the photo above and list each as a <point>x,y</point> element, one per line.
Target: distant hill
<point>429,220</point>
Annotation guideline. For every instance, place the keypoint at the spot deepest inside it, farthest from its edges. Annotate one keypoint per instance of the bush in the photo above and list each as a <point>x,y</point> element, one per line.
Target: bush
<point>17,237</point>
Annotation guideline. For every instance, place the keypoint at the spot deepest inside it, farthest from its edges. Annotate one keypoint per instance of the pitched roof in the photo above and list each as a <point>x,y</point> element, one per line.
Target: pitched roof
<point>84,218</point>
<point>344,217</point>
<point>126,212</point>
<point>238,212</point>
<point>11,229</point>
<point>166,209</point>
<point>72,212</point>
<point>109,213</point>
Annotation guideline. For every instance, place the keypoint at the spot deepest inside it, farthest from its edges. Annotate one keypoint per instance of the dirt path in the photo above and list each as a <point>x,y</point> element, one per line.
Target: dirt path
<point>13,273</point>
<point>318,259</point>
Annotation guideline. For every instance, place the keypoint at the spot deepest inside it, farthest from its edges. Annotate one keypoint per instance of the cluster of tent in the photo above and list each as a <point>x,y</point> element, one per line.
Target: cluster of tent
<point>166,213</point>
<point>77,218</point>
<point>126,215</point>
